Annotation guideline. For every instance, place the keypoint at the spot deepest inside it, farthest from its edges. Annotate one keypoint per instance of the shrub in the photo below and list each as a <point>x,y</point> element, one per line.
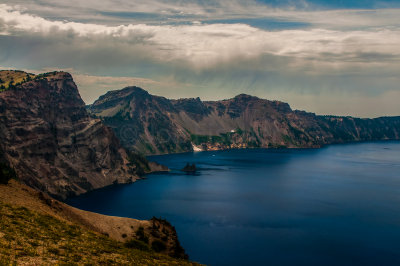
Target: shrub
<point>136,244</point>
<point>139,162</point>
<point>158,246</point>
<point>6,173</point>
<point>141,236</point>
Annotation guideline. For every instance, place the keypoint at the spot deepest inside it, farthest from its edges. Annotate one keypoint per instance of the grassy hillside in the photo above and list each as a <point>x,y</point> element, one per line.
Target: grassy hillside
<point>10,78</point>
<point>38,230</point>
<point>29,237</point>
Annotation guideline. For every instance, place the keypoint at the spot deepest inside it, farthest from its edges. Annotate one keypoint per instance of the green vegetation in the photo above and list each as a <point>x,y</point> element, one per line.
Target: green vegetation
<point>142,242</point>
<point>177,250</point>
<point>120,116</point>
<point>28,237</point>
<point>136,244</point>
<point>141,236</point>
<point>286,138</point>
<point>158,246</point>
<point>10,79</point>
<point>45,75</point>
<point>149,147</point>
<point>276,146</point>
<point>298,134</point>
<point>139,162</point>
<point>238,136</point>
<point>200,139</point>
<point>253,144</point>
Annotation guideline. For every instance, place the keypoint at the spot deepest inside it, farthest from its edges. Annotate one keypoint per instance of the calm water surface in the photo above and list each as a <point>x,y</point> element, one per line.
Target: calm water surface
<point>339,205</point>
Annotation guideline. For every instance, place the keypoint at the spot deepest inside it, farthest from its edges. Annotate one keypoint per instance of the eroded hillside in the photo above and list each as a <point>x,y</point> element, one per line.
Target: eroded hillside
<point>156,125</point>
<point>53,144</point>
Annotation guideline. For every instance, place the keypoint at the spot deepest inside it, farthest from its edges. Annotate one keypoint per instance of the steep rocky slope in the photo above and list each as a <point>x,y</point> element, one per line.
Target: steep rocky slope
<point>143,121</point>
<point>50,140</point>
<point>156,125</point>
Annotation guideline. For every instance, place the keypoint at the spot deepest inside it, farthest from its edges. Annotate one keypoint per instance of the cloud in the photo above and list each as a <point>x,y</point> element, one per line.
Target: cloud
<point>203,45</point>
<point>115,12</point>
<point>351,54</point>
<point>125,10</point>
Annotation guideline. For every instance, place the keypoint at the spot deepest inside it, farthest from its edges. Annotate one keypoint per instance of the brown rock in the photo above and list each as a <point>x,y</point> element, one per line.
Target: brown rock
<point>48,137</point>
<point>156,125</point>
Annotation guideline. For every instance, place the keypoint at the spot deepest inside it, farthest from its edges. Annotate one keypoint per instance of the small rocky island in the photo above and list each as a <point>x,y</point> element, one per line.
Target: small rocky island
<point>189,168</point>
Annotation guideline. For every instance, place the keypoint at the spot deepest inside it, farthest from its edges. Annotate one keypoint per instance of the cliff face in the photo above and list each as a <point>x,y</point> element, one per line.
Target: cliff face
<point>156,125</point>
<point>142,121</point>
<point>53,144</point>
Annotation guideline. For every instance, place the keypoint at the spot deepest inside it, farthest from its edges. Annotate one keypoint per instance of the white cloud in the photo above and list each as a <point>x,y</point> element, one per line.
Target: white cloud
<point>159,11</point>
<point>344,19</point>
<point>172,9</point>
<point>344,56</point>
<point>203,45</point>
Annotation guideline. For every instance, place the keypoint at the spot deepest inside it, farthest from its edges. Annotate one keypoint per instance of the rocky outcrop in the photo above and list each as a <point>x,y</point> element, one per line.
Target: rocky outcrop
<point>189,168</point>
<point>53,144</point>
<point>156,125</point>
<point>142,121</point>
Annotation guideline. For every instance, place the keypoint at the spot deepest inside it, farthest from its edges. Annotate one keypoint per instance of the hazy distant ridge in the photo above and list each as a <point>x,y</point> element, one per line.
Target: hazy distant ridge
<point>156,125</point>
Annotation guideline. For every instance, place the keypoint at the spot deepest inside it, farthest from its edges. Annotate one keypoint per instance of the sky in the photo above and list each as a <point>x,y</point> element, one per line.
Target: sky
<point>328,57</point>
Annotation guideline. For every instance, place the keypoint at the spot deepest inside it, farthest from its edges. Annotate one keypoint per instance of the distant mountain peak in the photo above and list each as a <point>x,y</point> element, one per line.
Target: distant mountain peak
<point>156,125</point>
<point>134,89</point>
<point>124,92</point>
<point>244,96</point>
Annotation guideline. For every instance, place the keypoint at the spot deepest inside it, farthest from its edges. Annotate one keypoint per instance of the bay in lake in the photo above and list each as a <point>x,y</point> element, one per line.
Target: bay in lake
<point>339,205</point>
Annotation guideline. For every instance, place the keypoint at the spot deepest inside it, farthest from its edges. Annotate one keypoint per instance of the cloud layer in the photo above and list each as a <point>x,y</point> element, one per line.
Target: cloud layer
<point>340,55</point>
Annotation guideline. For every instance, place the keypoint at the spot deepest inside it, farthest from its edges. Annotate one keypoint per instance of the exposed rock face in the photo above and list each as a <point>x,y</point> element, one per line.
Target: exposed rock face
<point>142,121</point>
<point>48,137</point>
<point>156,125</point>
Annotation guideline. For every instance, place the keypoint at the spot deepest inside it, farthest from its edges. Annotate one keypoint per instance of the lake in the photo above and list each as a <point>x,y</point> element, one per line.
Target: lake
<point>338,205</point>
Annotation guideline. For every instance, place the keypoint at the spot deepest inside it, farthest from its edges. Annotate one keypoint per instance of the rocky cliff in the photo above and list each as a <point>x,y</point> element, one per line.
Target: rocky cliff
<point>156,125</point>
<point>50,140</point>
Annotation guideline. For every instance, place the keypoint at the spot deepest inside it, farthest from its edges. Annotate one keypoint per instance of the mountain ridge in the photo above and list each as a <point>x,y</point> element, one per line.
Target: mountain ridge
<point>53,143</point>
<point>53,148</point>
<point>156,125</point>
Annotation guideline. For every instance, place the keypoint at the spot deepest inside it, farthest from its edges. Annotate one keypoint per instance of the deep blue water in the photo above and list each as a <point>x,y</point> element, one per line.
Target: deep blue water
<point>339,205</point>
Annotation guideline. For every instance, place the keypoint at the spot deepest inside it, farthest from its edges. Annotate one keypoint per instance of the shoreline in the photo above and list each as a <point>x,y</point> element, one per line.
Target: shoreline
<point>279,148</point>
